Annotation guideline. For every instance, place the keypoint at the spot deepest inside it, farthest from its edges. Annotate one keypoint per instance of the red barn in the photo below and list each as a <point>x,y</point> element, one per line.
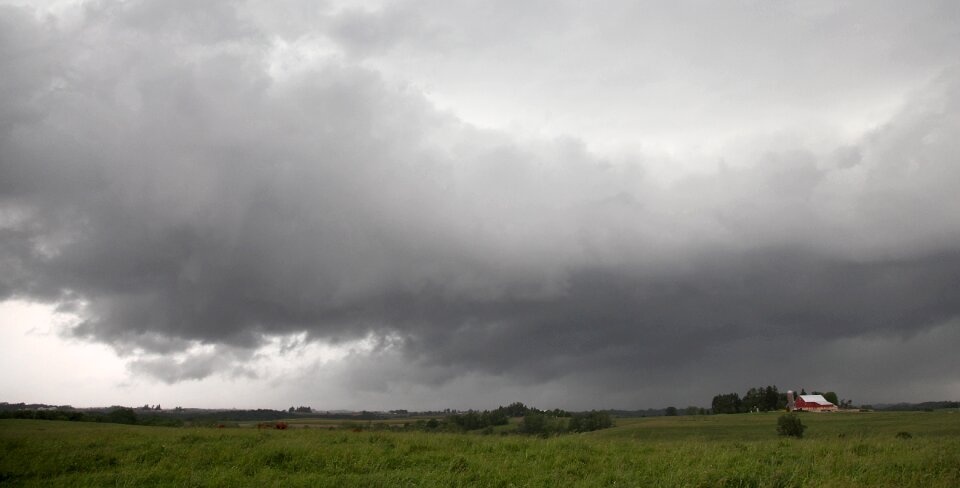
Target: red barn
<point>814,403</point>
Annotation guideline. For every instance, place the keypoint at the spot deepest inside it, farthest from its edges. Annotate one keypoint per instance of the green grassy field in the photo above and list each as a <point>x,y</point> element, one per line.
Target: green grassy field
<point>842,450</point>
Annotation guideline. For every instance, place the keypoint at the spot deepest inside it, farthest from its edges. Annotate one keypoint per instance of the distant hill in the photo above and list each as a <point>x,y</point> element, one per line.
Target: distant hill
<point>650,412</point>
<point>920,407</point>
<point>6,407</point>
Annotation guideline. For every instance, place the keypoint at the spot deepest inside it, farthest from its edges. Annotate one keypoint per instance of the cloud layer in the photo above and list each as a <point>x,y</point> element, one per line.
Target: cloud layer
<point>192,184</point>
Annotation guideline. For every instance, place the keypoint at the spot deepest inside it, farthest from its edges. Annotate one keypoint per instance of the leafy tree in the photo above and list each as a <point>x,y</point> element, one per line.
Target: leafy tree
<point>670,412</point>
<point>752,400</point>
<point>764,399</point>
<point>771,399</point>
<point>515,409</point>
<point>121,415</point>
<point>589,421</point>
<point>496,417</point>
<point>831,397</point>
<point>728,403</point>
<point>533,423</point>
<point>472,420</point>
<point>467,421</point>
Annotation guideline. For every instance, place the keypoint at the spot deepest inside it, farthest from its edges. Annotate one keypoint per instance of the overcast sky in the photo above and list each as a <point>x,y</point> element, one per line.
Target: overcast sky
<point>428,204</point>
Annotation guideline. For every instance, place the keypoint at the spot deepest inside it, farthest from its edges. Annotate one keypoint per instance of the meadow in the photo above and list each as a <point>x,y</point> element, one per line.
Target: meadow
<point>838,450</point>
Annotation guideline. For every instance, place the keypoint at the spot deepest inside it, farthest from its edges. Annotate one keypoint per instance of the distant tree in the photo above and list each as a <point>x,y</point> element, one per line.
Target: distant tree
<point>533,423</point>
<point>515,409</point>
<point>691,410</point>
<point>670,412</point>
<point>763,399</point>
<point>728,403</point>
<point>495,417</point>
<point>589,421</point>
<point>470,420</point>
<point>291,410</point>
<point>832,398</point>
<point>121,415</point>
<point>771,399</point>
<point>752,400</point>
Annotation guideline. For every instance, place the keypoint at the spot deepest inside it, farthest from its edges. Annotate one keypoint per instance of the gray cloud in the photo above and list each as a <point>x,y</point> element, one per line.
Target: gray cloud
<point>684,75</point>
<point>195,365</point>
<point>157,177</point>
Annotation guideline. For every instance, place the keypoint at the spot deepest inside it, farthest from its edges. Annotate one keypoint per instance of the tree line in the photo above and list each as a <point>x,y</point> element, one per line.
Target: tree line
<point>764,399</point>
<point>116,415</point>
<point>533,421</point>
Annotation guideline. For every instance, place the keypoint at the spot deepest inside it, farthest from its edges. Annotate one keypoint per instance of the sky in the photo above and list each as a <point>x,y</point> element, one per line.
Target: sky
<point>427,204</point>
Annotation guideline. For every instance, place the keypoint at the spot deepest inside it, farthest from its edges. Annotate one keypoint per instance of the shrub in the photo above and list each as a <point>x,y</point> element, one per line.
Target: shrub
<point>904,435</point>
<point>789,424</point>
<point>589,421</point>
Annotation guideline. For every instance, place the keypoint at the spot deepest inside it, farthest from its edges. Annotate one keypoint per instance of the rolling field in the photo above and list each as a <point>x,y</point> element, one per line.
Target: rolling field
<point>842,450</point>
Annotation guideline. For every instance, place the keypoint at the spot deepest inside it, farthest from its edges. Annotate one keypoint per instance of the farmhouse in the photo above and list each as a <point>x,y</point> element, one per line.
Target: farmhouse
<point>813,403</point>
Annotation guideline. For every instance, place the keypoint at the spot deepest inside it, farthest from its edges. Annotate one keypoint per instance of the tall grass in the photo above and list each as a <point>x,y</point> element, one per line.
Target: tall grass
<point>734,451</point>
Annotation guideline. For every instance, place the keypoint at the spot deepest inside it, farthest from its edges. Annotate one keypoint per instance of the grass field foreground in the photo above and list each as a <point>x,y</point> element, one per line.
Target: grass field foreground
<point>841,450</point>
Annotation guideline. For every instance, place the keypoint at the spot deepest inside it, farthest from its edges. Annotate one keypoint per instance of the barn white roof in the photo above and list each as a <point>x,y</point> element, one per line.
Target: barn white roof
<point>815,399</point>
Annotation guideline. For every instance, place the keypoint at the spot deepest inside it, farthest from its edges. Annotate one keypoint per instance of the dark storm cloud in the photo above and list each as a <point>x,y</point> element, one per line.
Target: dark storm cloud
<point>618,319</point>
<point>155,176</point>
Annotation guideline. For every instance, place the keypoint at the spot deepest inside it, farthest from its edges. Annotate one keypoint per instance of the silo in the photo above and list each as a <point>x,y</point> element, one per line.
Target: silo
<point>791,404</point>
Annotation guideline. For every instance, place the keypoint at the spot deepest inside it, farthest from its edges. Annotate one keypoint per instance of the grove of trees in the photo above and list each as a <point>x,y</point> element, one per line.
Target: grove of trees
<point>534,421</point>
<point>762,399</point>
<point>727,403</point>
<point>546,423</point>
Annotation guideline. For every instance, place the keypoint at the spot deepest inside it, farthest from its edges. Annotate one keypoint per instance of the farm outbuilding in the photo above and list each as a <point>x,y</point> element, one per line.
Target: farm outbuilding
<point>810,403</point>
